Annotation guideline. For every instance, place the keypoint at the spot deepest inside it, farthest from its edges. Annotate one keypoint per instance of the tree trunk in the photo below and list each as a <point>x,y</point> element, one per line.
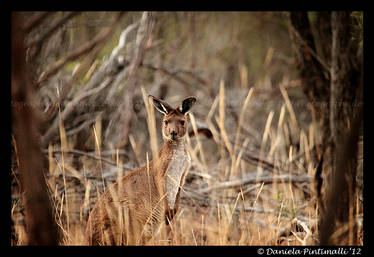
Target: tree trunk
<point>335,81</point>
<point>40,225</point>
<point>313,71</point>
<point>345,79</point>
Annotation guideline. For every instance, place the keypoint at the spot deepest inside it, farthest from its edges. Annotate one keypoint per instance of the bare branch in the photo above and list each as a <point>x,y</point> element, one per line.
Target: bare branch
<point>144,33</point>
<point>35,21</point>
<point>40,41</point>
<point>103,76</point>
<point>70,107</point>
<point>101,37</point>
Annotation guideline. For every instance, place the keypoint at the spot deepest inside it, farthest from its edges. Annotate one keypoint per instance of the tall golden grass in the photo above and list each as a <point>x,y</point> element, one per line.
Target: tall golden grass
<point>272,213</point>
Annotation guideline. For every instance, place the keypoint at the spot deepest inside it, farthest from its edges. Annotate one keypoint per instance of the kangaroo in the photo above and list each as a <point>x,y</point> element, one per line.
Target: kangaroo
<point>133,209</point>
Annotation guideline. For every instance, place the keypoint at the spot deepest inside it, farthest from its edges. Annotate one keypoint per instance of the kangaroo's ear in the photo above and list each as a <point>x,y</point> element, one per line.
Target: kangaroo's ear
<point>161,105</point>
<point>187,104</point>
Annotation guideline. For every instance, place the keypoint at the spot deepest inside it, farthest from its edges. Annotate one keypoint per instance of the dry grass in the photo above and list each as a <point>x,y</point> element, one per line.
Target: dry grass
<point>214,210</point>
<point>273,213</point>
<point>255,214</point>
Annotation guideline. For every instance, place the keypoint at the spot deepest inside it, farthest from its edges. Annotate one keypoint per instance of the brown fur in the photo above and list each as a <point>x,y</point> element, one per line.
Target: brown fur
<point>131,211</point>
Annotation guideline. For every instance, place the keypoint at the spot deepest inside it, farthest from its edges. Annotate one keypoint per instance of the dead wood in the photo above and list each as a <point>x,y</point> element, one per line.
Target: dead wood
<point>143,36</point>
<point>262,179</point>
<point>95,89</point>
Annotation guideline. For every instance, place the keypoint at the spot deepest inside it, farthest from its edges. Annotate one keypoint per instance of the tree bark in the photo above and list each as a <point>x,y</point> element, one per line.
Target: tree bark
<point>341,192</point>
<point>335,81</point>
<point>345,80</point>
<point>323,26</point>
<point>40,225</point>
<point>313,72</point>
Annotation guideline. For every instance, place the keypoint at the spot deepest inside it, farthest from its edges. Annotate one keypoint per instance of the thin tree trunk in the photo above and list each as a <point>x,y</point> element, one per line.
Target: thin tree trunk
<point>345,79</point>
<point>341,192</point>
<point>313,71</point>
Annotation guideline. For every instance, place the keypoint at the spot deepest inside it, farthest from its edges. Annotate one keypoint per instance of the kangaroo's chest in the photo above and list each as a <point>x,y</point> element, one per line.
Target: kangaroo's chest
<point>177,169</point>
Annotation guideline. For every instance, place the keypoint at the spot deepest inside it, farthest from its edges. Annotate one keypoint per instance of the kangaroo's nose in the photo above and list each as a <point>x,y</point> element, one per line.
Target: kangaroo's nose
<point>173,134</point>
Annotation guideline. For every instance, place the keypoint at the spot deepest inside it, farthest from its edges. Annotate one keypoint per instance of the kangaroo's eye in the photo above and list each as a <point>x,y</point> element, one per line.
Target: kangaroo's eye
<point>166,122</point>
<point>182,122</point>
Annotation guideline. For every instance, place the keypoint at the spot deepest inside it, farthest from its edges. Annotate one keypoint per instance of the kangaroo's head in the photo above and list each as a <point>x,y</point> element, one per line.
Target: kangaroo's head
<point>174,122</point>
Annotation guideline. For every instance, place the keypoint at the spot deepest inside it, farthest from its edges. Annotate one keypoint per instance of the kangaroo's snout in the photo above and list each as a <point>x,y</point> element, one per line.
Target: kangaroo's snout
<point>173,134</point>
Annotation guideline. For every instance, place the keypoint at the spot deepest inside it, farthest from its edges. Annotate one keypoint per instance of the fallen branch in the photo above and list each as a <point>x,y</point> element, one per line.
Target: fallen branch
<point>264,179</point>
<point>263,210</point>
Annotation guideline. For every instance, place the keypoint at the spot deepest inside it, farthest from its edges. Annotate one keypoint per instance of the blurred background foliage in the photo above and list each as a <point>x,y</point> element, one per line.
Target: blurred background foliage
<point>244,49</point>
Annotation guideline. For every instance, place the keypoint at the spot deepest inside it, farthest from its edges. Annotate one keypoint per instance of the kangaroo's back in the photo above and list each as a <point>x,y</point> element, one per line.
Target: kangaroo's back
<point>132,210</point>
